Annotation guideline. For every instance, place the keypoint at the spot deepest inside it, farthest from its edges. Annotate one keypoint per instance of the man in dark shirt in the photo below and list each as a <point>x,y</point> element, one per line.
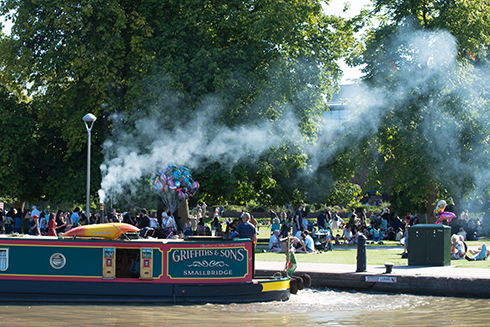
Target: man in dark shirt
<point>144,224</point>
<point>298,219</point>
<point>111,216</point>
<point>144,220</point>
<point>246,229</point>
<point>321,220</point>
<point>127,218</point>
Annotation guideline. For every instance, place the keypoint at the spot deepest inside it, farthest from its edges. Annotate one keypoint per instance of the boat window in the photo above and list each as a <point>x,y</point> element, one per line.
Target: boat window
<point>4,254</point>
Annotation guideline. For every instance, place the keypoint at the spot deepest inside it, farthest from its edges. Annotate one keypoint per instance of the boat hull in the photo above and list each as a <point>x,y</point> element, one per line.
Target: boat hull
<point>56,270</point>
<point>22,291</point>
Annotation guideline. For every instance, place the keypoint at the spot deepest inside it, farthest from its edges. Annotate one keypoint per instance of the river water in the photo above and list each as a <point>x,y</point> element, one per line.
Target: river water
<point>310,307</point>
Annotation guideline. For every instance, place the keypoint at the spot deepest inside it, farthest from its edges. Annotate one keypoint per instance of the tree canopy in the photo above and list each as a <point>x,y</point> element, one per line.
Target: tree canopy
<point>238,64</point>
<point>425,120</point>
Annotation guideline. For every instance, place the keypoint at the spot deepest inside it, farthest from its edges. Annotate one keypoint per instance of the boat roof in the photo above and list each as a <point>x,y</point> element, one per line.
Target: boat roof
<point>139,240</point>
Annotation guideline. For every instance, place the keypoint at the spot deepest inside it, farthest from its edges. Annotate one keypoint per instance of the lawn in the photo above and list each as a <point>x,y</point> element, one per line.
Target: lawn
<point>376,255</point>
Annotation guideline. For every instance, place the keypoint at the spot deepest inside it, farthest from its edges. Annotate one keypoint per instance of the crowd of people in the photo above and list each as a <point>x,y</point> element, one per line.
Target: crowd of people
<point>291,224</point>
<point>331,228</point>
<point>40,222</point>
<point>376,227</point>
<point>43,222</point>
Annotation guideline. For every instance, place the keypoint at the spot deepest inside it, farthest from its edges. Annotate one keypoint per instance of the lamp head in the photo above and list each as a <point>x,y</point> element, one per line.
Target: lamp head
<point>89,118</point>
<point>89,121</point>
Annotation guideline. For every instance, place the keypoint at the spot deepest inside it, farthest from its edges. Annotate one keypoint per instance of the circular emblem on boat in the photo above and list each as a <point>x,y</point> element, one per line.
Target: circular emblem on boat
<point>57,261</point>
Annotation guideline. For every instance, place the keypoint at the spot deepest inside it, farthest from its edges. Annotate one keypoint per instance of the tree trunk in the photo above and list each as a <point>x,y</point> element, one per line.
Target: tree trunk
<point>430,206</point>
<point>19,205</point>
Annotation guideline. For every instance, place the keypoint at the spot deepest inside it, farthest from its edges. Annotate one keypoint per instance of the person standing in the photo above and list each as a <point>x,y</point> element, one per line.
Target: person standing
<point>43,225</point>
<point>60,222</point>
<point>363,218</point>
<point>329,214</point>
<point>52,224</point>
<point>1,221</point>
<point>352,219</point>
<point>246,229</point>
<point>128,219</point>
<point>75,217</point>
<point>204,208</point>
<point>167,224</point>
<point>144,224</point>
<point>9,220</point>
<point>34,226</point>
<point>298,220</point>
<point>321,220</point>
<point>35,211</point>
<point>284,216</point>
<point>68,221</point>
<point>111,216</point>
<point>144,220</point>
<point>25,221</point>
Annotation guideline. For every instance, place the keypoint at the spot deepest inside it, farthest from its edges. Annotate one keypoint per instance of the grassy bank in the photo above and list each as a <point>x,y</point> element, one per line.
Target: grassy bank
<point>376,255</point>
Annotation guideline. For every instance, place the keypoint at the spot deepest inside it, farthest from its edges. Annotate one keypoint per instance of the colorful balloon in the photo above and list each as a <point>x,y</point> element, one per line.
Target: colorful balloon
<point>174,184</point>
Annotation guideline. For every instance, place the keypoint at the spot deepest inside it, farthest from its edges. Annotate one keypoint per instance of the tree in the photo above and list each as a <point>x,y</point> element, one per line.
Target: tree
<point>166,61</point>
<point>466,20</point>
<point>423,137</point>
<point>21,171</point>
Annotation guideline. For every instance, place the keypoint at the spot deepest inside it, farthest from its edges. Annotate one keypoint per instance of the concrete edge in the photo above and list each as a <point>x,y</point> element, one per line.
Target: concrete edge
<point>394,283</point>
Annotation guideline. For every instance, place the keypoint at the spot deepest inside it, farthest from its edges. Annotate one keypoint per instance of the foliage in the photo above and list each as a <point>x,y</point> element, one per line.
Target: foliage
<point>166,60</point>
<point>422,131</point>
<point>18,153</point>
<point>345,194</point>
<point>370,208</point>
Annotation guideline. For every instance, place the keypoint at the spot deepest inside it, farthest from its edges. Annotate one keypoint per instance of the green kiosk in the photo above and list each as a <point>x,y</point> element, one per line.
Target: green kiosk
<point>429,245</point>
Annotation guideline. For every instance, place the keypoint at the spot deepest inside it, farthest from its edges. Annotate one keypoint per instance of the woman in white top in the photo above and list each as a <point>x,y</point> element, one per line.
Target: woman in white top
<point>335,221</point>
<point>167,225</point>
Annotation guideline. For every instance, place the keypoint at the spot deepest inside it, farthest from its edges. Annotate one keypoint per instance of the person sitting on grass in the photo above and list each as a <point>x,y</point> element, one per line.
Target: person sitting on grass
<point>458,249</point>
<point>375,235</point>
<point>305,244</point>
<point>275,242</point>
<point>347,235</point>
<point>481,254</point>
<point>399,235</point>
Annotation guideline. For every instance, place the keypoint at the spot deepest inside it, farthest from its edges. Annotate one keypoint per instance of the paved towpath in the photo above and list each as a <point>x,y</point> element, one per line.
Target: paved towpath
<point>438,271</point>
<point>436,280</point>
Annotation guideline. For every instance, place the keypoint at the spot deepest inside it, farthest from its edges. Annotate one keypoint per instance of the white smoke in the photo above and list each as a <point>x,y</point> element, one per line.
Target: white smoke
<point>431,56</point>
<point>132,156</point>
<point>457,104</point>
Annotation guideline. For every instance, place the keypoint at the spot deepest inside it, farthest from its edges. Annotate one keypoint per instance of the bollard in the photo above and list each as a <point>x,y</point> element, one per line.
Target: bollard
<point>361,253</point>
<point>389,267</point>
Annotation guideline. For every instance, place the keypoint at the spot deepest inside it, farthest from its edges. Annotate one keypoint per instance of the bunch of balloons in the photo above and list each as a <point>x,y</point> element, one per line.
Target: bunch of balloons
<point>174,184</point>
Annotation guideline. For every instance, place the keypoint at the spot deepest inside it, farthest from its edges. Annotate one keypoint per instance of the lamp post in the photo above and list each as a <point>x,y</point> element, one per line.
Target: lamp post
<point>89,120</point>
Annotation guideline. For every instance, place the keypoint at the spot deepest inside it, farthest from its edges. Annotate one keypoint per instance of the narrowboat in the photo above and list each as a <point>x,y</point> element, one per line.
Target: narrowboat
<point>98,264</point>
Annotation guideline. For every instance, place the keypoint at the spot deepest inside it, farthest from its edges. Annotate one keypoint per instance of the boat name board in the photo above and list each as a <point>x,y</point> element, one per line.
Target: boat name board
<point>207,263</point>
